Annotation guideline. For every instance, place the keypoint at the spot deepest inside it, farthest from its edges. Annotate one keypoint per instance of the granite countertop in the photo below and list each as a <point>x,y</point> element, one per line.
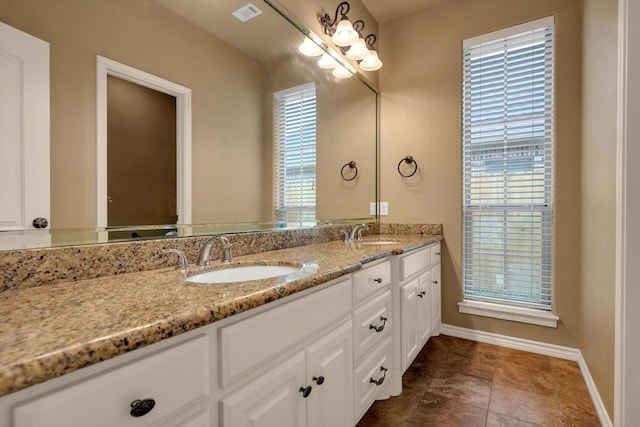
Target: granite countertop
<point>48,331</point>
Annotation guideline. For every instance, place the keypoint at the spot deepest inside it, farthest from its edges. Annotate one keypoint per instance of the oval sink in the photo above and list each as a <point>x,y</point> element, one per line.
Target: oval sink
<point>378,242</point>
<point>243,273</point>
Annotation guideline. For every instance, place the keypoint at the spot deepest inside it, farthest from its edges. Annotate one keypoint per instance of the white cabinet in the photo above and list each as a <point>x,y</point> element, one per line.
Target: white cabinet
<point>420,305</point>
<point>311,388</point>
<point>156,385</point>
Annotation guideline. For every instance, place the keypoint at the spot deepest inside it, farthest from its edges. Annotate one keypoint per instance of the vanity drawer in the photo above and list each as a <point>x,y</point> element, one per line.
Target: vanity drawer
<point>435,254</point>
<point>368,280</point>
<point>372,323</point>
<point>173,378</point>
<point>250,342</point>
<point>413,263</point>
<point>370,376</point>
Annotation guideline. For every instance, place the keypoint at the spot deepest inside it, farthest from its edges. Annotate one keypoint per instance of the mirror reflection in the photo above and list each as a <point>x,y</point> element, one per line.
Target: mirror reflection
<point>264,148</point>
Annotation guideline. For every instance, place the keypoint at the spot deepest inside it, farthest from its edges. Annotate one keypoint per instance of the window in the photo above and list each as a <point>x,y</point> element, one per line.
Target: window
<point>507,166</point>
<point>295,154</point>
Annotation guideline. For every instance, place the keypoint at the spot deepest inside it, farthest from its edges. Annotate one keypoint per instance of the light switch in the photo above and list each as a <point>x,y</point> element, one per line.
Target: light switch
<point>384,208</point>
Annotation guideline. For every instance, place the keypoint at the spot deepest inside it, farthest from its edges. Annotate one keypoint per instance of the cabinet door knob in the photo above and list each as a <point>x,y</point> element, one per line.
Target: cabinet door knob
<point>422,294</point>
<point>438,253</point>
<point>142,407</point>
<point>381,327</point>
<point>306,391</point>
<point>379,280</point>
<point>319,380</point>
<point>380,380</point>
<point>435,282</point>
<point>40,223</point>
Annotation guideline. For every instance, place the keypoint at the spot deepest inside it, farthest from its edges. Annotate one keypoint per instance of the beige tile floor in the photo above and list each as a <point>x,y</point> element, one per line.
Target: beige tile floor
<point>456,382</point>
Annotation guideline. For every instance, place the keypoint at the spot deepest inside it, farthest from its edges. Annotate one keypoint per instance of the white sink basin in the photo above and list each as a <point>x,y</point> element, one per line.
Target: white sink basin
<point>243,273</point>
<point>378,242</point>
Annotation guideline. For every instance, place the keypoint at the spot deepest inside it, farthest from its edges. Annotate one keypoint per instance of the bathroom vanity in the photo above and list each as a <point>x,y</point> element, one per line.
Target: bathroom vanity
<point>313,350</point>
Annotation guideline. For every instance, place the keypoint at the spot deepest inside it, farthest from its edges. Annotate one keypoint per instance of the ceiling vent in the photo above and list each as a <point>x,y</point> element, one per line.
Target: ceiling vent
<point>246,12</point>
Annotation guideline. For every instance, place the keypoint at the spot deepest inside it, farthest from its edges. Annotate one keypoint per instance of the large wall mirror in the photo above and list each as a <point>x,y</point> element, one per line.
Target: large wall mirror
<point>239,74</point>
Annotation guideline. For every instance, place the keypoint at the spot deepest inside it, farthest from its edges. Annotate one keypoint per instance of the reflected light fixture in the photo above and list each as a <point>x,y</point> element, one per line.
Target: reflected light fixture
<point>358,51</point>
<point>310,48</point>
<point>342,72</point>
<point>327,61</point>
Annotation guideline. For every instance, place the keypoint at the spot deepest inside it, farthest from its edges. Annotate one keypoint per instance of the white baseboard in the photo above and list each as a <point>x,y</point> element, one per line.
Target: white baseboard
<point>552,350</point>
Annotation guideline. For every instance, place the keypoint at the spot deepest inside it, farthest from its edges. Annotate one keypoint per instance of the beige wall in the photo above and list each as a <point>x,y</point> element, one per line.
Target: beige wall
<point>599,191</point>
<point>420,87</point>
<point>226,88</point>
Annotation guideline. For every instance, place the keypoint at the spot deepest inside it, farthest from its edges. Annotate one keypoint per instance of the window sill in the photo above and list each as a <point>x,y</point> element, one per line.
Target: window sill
<point>505,312</point>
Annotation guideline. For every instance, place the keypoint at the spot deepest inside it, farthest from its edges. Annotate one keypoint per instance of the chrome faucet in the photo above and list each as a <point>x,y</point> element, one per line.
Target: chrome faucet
<point>356,230</point>
<point>203,257</point>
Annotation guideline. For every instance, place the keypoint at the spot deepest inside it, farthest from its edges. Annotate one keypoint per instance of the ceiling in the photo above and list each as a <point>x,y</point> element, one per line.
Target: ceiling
<point>386,10</point>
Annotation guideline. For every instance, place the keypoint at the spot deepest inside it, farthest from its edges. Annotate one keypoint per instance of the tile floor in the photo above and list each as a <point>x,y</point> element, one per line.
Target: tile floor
<point>456,382</point>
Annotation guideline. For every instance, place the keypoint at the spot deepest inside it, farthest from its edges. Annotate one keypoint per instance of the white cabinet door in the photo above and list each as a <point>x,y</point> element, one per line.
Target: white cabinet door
<point>330,373</point>
<point>425,302</point>
<point>409,307</point>
<point>272,400</point>
<point>436,292</point>
<point>24,129</point>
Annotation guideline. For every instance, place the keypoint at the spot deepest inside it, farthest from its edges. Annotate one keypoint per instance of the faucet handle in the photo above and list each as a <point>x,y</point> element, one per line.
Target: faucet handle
<point>183,264</point>
<point>228,256</point>
<point>346,236</point>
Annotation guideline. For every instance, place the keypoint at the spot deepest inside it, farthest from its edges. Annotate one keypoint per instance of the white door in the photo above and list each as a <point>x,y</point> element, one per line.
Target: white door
<point>409,307</point>
<point>330,373</point>
<point>24,130</point>
<point>272,400</point>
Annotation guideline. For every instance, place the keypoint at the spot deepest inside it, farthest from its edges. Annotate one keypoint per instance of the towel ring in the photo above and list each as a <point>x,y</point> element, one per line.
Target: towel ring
<point>351,165</point>
<point>408,160</point>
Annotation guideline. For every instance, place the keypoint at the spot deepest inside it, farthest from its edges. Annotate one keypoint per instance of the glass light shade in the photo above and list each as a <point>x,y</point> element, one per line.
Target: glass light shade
<point>358,50</point>
<point>309,48</point>
<point>341,72</point>
<point>345,35</point>
<point>371,62</point>
<point>327,61</point>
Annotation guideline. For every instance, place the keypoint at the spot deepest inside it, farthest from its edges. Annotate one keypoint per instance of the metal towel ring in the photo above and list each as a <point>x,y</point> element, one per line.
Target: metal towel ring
<point>408,160</point>
<point>352,165</point>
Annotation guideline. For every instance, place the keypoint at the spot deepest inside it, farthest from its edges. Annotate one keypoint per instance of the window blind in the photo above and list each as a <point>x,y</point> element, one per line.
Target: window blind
<point>508,165</point>
<point>295,154</point>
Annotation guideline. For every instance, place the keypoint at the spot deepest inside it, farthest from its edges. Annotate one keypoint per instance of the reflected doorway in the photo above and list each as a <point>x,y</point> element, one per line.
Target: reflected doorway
<point>179,99</point>
<point>141,155</point>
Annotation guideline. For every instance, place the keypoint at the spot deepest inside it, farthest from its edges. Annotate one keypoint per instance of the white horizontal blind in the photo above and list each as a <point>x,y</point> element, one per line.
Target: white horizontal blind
<point>295,154</point>
<point>507,155</point>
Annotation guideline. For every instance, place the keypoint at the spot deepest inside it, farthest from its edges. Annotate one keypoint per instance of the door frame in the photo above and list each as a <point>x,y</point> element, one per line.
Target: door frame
<point>627,317</point>
<point>107,67</point>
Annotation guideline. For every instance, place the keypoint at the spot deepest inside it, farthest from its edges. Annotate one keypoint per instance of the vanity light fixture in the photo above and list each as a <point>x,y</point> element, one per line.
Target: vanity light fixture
<point>355,47</point>
<point>342,72</point>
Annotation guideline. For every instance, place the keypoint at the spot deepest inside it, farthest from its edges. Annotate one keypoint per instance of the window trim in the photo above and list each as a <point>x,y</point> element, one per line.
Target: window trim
<point>508,310</point>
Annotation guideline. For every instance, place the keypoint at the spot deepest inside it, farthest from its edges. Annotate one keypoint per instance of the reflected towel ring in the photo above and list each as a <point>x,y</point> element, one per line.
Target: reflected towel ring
<point>352,165</point>
<point>408,160</point>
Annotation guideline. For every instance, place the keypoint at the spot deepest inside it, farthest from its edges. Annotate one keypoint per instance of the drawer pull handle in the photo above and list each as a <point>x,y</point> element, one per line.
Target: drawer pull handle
<point>306,391</point>
<point>381,327</point>
<point>319,380</point>
<point>380,380</point>
<point>422,294</point>
<point>379,280</point>
<point>142,407</point>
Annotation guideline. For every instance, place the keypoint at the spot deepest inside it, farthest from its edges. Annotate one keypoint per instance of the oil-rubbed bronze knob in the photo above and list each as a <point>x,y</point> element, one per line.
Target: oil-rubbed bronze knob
<point>319,380</point>
<point>142,407</point>
<point>306,391</point>
<point>379,280</point>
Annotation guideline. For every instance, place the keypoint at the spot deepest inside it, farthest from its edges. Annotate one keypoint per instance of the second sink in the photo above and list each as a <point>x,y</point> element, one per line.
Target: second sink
<point>244,273</point>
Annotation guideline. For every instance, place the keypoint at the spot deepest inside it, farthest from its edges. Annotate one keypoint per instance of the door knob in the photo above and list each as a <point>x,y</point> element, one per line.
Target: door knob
<point>40,223</point>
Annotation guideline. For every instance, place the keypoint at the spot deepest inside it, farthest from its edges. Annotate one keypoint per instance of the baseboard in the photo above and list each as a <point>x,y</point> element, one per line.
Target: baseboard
<point>552,350</point>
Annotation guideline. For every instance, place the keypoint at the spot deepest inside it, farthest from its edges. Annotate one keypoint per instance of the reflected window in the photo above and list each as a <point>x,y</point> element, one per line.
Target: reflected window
<point>295,155</point>
<point>507,150</point>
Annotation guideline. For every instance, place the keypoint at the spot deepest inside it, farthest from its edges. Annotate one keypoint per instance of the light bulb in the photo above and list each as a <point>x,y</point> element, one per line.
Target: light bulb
<point>327,61</point>
<point>345,35</point>
<point>358,50</point>
<point>371,62</point>
<point>309,48</point>
<point>341,72</point>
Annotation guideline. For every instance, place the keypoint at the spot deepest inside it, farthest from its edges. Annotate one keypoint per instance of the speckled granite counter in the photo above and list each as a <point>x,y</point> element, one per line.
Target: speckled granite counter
<point>48,331</point>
